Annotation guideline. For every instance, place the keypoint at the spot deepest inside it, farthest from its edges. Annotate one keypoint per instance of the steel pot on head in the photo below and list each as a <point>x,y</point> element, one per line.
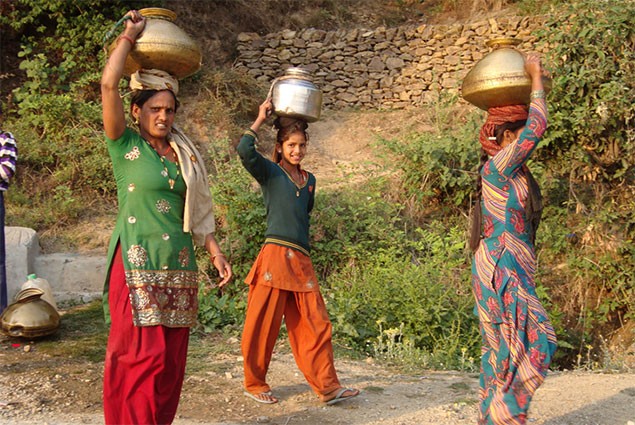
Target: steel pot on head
<point>294,95</point>
<point>499,79</point>
<point>162,45</point>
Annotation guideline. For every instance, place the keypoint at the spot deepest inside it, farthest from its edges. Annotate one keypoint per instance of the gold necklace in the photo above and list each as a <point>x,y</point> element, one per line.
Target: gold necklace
<point>165,172</point>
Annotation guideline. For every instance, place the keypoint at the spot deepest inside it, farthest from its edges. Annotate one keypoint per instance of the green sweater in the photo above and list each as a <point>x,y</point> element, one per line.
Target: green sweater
<point>288,205</point>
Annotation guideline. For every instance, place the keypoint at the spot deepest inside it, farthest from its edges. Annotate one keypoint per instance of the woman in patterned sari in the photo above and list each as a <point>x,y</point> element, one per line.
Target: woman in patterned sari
<point>518,339</point>
<point>165,207</point>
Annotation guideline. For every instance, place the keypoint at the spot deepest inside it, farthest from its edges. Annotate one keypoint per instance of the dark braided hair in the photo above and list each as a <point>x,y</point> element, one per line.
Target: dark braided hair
<point>285,131</point>
<point>475,231</point>
<point>533,207</point>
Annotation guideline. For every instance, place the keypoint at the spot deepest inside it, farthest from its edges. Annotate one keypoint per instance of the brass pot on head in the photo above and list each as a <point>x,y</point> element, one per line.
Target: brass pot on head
<point>294,95</point>
<point>162,45</point>
<point>499,79</point>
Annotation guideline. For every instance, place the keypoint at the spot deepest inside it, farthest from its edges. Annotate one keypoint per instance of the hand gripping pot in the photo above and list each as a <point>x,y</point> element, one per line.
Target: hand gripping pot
<point>29,316</point>
<point>499,79</point>
<point>294,95</point>
<point>162,45</point>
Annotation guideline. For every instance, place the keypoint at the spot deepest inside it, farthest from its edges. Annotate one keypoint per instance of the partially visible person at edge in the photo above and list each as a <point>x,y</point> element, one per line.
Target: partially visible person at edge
<point>518,339</point>
<point>282,282</point>
<point>165,206</point>
<point>8,158</point>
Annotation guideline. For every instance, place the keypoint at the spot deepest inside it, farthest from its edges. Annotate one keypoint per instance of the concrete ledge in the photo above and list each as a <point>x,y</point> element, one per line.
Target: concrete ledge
<point>73,278</point>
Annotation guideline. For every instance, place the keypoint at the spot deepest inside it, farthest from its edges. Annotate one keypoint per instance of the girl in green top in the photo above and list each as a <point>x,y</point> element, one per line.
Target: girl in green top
<point>282,282</point>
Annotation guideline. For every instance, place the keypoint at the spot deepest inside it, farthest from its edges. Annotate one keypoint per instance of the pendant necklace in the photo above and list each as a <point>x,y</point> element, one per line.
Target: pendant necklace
<point>165,172</point>
<point>297,187</point>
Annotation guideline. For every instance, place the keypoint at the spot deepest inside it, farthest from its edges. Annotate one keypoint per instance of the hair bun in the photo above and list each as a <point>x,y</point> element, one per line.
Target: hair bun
<point>290,123</point>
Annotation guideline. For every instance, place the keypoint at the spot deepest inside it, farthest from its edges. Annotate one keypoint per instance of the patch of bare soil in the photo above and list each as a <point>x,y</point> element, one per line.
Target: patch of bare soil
<point>38,388</point>
<point>342,144</point>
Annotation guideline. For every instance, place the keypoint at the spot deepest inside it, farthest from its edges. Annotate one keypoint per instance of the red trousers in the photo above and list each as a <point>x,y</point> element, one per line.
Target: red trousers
<point>309,331</point>
<point>144,366</point>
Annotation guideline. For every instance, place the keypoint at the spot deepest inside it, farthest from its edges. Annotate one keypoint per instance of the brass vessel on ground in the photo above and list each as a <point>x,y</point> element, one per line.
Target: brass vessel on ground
<point>29,316</point>
<point>162,45</point>
<point>499,79</point>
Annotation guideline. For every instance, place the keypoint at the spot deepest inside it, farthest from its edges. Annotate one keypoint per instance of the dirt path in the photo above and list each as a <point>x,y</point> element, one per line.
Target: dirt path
<point>37,388</point>
<point>52,382</point>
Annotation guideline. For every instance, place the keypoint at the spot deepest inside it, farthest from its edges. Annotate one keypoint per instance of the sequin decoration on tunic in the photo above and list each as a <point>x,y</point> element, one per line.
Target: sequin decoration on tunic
<point>182,300</point>
<point>184,257</point>
<point>133,154</point>
<point>163,206</point>
<point>141,298</point>
<point>137,255</point>
<point>166,298</point>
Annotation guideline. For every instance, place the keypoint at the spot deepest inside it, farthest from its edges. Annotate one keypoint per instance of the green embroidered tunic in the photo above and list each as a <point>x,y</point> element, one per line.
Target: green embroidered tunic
<point>158,256</point>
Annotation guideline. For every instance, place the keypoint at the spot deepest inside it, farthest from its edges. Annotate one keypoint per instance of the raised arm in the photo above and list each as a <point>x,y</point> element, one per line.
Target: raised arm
<point>517,155</point>
<point>253,162</point>
<point>112,105</point>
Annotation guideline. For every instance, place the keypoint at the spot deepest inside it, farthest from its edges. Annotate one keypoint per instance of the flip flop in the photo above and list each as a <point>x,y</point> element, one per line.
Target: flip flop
<point>340,396</point>
<point>259,400</point>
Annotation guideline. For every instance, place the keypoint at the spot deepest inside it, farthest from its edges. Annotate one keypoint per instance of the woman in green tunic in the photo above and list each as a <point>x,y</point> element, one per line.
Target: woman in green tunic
<point>165,208</point>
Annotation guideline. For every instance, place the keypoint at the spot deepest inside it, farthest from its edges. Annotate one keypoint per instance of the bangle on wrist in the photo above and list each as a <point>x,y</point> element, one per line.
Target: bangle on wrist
<point>125,37</point>
<point>220,254</point>
<point>537,94</point>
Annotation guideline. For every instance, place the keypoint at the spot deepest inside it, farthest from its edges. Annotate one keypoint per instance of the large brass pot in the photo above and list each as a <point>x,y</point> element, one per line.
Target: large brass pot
<point>499,79</point>
<point>294,95</point>
<point>29,316</point>
<point>162,45</point>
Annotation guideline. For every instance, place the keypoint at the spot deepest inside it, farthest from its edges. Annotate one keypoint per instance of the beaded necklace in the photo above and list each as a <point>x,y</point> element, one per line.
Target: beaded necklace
<point>165,172</point>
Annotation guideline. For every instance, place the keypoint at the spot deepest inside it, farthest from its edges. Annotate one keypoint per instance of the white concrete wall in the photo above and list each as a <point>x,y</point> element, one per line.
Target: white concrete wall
<point>73,278</point>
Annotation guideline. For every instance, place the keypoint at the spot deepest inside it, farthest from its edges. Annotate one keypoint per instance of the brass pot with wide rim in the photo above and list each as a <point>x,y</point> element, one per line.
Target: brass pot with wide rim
<point>29,316</point>
<point>162,45</point>
<point>499,79</point>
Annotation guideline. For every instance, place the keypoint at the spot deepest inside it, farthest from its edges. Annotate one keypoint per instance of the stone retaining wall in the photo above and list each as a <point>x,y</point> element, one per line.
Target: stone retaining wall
<point>381,68</point>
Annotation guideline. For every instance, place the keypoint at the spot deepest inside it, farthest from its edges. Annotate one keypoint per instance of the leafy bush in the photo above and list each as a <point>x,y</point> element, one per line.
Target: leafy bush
<point>352,223</point>
<point>428,298</point>
<point>439,167</point>
<point>589,158</point>
<point>592,55</point>
<point>56,114</point>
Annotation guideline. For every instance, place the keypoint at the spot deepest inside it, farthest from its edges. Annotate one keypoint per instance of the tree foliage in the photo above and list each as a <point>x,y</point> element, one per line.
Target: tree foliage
<point>592,54</point>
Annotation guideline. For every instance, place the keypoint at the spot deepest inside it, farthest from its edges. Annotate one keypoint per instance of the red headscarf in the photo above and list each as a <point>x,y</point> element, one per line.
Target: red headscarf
<point>496,116</point>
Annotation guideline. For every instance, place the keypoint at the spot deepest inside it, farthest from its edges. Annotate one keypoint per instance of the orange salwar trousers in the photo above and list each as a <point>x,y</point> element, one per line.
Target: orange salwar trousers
<point>309,330</point>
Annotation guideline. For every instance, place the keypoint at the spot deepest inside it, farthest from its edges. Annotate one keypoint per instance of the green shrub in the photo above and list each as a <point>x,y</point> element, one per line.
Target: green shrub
<point>428,298</point>
<point>592,56</point>
<point>439,167</point>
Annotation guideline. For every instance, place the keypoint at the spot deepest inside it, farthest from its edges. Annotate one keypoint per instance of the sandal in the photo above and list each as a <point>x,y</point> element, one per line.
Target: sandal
<point>264,398</point>
<point>341,397</point>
